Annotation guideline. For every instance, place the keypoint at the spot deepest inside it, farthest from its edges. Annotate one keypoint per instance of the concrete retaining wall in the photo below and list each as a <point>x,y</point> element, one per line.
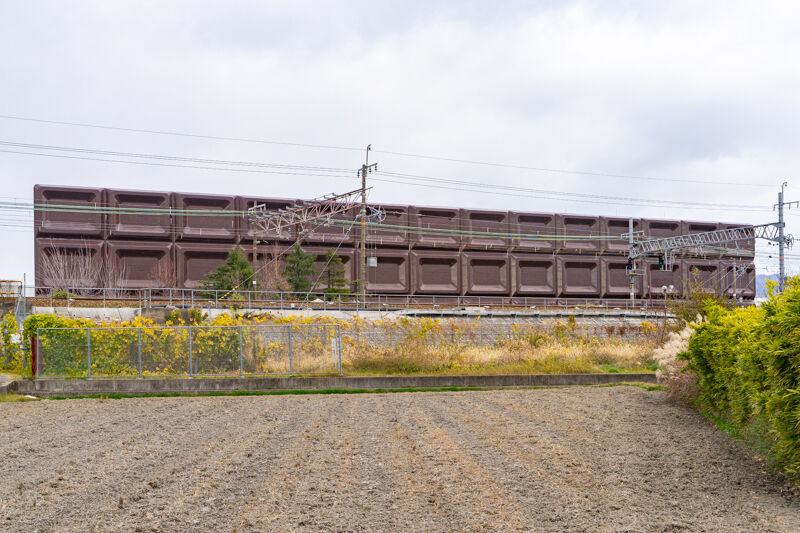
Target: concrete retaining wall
<point>80,387</point>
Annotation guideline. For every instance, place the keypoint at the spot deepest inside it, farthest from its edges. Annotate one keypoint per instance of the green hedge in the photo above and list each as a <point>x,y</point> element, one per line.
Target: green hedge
<point>747,363</point>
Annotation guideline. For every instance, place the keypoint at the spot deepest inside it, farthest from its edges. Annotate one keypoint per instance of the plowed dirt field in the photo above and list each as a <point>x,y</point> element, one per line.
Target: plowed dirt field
<point>577,459</point>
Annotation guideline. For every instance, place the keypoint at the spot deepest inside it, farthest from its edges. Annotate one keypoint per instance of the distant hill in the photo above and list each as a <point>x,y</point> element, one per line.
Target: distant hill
<point>761,284</point>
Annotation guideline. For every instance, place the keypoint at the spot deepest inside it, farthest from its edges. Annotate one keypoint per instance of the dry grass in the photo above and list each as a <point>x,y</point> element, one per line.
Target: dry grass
<point>6,398</point>
<point>518,355</point>
<point>682,385</point>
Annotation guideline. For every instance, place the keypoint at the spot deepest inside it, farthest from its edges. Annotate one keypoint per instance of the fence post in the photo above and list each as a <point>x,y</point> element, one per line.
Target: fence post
<point>88,353</point>
<point>190,349</point>
<point>291,361</point>
<point>339,345</point>
<point>36,366</point>
<point>139,335</point>
<point>241,357</point>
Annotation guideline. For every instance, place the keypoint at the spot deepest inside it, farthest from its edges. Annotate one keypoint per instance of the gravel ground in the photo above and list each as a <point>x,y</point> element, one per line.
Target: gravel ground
<point>579,459</point>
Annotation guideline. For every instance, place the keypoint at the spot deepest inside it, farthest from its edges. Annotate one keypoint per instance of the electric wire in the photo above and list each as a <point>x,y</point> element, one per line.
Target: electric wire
<point>556,193</point>
<point>196,167</point>
<point>387,152</point>
<point>401,178</point>
<point>169,157</point>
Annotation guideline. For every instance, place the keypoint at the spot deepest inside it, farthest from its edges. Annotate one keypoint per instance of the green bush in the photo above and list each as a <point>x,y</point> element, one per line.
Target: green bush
<point>747,363</point>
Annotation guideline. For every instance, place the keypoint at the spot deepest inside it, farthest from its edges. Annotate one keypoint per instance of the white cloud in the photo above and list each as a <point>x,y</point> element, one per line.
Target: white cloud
<point>673,89</point>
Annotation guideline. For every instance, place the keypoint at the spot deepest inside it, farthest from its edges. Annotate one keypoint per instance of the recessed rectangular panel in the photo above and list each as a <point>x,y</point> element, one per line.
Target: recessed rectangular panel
<point>534,232</point>
<point>744,275</point>
<point>196,260</point>
<point>661,283</point>
<point>69,262</point>
<point>436,272</point>
<point>336,229</point>
<point>142,264</point>
<point>745,247</point>
<point>579,276</point>
<point>578,234</point>
<point>659,229</point>
<point>534,274</point>
<point>486,273</point>
<point>435,227</point>
<point>200,218</point>
<point>394,232</point>
<point>616,279</point>
<point>69,212</point>
<point>690,228</point>
<point>613,227</point>
<point>701,273</point>
<point>263,231</point>
<point>319,279</point>
<point>487,229</point>
<point>139,214</point>
<point>391,275</point>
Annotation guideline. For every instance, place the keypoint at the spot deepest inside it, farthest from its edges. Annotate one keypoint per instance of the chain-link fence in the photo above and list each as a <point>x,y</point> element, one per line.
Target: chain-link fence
<point>490,332</point>
<point>139,352</point>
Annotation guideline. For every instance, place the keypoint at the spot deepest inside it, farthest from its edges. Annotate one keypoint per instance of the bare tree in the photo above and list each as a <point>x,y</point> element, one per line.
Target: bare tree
<point>70,268</point>
<point>114,278</point>
<point>269,273</point>
<point>164,273</point>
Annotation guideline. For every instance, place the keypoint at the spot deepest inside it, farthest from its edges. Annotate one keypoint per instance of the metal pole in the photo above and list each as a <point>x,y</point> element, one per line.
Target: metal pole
<point>781,271</point>
<point>38,354</point>
<point>632,271</point>
<point>241,356</point>
<point>362,260</point>
<point>190,350</point>
<point>339,345</point>
<point>291,362</point>
<point>24,298</point>
<point>139,335</point>
<point>88,353</point>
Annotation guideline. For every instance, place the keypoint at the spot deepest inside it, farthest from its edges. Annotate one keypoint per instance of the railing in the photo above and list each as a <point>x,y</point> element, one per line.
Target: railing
<point>318,300</point>
<point>193,351</point>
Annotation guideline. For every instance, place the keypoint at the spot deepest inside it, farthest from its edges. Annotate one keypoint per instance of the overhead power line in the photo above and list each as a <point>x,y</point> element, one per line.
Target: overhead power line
<point>177,133</point>
<point>170,157</point>
<point>565,171</point>
<point>399,178</point>
<point>573,200</point>
<point>387,152</point>
<point>196,167</point>
<point>557,193</point>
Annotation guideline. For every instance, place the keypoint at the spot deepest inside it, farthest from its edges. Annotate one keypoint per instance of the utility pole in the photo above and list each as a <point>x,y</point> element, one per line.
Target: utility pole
<point>781,270</point>
<point>362,261</point>
<point>781,238</point>
<point>631,265</point>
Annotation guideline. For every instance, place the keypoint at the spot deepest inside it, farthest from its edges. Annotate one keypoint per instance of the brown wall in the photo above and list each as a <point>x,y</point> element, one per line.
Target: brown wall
<point>408,262</point>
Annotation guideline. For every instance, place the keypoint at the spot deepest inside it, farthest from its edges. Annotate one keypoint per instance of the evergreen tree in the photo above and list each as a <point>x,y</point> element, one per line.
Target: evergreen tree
<point>235,272</point>
<point>298,269</point>
<point>333,274</point>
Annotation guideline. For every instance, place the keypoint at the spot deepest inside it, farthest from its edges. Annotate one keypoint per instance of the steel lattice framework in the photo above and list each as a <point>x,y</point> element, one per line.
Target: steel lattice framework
<point>319,211</point>
<point>667,245</point>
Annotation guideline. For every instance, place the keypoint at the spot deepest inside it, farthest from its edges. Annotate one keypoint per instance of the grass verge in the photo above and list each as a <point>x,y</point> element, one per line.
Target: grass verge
<point>300,392</point>
<point>11,397</point>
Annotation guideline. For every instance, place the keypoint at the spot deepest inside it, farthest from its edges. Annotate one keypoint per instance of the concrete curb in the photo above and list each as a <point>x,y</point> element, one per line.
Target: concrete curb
<point>82,387</point>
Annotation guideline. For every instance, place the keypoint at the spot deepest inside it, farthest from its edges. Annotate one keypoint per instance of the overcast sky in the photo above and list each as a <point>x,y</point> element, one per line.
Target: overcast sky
<point>686,92</point>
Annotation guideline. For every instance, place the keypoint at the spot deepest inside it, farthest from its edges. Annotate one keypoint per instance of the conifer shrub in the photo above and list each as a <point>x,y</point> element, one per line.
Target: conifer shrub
<point>747,363</point>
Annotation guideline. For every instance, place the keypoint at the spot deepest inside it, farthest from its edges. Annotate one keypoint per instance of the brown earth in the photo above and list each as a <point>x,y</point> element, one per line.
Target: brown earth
<point>579,459</point>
